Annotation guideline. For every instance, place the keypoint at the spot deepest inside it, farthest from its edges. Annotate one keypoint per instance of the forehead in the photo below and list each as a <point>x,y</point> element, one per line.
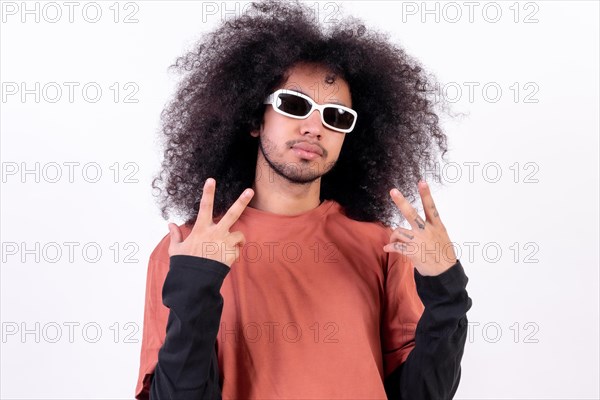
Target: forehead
<point>318,82</point>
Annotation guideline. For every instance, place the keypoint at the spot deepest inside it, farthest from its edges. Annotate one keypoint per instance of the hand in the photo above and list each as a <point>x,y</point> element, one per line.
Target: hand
<point>427,245</point>
<point>207,239</point>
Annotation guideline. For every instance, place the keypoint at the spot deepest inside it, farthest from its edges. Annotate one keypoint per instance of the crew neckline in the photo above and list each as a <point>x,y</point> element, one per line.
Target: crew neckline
<point>269,217</point>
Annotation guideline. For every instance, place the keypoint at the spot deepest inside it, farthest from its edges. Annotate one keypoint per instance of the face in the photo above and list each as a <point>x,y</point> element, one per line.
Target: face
<point>303,150</point>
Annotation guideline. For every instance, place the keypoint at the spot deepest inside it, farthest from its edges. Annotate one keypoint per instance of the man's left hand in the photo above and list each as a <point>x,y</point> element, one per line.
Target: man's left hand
<point>427,245</point>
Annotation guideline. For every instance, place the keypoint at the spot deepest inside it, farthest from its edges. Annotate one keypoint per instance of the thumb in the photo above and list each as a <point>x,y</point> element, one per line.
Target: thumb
<point>174,234</point>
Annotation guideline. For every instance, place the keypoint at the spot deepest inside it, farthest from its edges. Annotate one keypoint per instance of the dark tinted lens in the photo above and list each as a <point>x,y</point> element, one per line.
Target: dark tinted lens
<point>293,104</point>
<point>337,117</point>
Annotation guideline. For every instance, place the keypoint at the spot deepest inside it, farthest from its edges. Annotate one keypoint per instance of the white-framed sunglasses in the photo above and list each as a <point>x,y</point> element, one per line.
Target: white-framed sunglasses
<point>297,105</point>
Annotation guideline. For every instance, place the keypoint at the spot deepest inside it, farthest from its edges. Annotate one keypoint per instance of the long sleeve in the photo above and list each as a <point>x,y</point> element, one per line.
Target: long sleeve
<point>187,365</point>
<point>432,369</point>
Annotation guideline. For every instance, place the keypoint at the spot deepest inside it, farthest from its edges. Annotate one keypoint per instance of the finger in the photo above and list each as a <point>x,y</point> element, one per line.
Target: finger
<point>407,210</point>
<point>406,249</point>
<point>175,237</point>
<point>234,212</point>
<point>401,235</point>
<point>431,213</point>
<point>205,213</point>
<point>396,246</point>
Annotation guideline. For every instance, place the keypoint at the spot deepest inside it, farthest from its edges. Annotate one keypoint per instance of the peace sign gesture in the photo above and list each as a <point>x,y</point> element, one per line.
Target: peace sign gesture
<point>207,239</point>
<point>427,245</point>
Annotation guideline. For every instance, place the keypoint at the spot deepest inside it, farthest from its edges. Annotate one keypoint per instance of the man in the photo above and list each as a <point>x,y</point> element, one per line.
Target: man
<point>296,288</point>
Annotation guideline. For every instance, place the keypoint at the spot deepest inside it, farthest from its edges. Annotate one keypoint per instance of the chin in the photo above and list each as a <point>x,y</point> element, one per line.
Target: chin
<point>293,175</point>
<point>297,170</point>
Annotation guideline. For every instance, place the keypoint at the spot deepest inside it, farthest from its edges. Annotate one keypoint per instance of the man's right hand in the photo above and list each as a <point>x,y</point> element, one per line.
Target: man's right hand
<point>207,239</point>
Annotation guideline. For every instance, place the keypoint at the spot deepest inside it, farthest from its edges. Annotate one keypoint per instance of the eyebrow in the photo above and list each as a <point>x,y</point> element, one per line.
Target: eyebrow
<point>329,102</point>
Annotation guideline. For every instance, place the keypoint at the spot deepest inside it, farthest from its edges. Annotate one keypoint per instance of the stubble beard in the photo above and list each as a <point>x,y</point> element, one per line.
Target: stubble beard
<point>302,172</point>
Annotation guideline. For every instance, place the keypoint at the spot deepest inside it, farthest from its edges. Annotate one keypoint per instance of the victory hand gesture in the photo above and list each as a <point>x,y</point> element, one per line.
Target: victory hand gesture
<point>427,245</point>
<point>207,239</point>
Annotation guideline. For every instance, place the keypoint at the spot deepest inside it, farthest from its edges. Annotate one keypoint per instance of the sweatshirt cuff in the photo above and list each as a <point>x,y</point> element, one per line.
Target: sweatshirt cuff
<point>449,283</point>
<point>206,264</point>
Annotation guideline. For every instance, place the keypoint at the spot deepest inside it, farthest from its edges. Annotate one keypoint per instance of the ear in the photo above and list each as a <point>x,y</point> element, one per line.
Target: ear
<point>256,133</point>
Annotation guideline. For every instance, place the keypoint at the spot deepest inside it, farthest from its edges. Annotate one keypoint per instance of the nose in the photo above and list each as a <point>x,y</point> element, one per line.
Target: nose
<point>312,125</point>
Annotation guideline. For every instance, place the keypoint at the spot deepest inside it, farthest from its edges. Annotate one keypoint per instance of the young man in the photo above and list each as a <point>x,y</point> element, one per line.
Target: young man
<point>297,288</point>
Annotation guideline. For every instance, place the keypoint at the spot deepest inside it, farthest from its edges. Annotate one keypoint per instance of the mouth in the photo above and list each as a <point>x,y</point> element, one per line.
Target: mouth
<point>307,150</point>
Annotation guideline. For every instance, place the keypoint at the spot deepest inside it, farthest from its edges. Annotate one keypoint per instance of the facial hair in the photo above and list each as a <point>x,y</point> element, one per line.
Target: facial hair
<point>293,172</point>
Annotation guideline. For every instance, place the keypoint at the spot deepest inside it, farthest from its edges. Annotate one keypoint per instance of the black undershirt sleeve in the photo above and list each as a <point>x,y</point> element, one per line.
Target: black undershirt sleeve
<point>187,365</point>
<point>432,369</point>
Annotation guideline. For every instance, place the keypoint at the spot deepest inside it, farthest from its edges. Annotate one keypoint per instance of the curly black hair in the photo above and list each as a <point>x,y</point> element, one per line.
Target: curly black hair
<point>220,100</point>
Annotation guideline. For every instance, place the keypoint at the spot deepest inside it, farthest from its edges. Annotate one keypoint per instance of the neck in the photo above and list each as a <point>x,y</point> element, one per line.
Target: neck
<point>274,193</point>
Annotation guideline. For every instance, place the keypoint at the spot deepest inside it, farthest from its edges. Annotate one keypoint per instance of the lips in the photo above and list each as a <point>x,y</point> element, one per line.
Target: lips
<point>311,148</point>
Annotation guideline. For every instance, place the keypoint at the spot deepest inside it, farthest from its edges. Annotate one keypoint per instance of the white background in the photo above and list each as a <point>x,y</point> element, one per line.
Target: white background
<point>534,320</point>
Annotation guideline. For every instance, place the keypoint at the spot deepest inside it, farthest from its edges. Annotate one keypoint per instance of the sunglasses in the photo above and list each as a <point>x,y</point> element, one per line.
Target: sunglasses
<point>297,105</point>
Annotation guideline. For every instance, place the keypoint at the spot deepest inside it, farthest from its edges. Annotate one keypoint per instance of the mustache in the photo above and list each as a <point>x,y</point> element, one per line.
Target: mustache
<point>290,143</point>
